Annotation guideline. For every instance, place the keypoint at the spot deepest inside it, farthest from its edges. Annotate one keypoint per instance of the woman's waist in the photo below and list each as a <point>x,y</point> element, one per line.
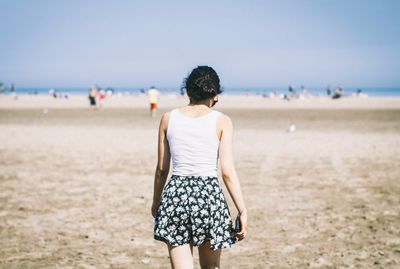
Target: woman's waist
<point>198,171</point>
<point>200,181</point>
<point>194,177</point>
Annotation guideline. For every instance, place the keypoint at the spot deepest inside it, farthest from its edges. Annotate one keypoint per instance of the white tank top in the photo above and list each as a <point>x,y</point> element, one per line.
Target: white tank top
<point>193,144</point>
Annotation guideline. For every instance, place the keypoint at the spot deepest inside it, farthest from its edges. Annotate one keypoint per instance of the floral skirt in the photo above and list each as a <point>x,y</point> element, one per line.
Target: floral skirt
<point>193,210</point>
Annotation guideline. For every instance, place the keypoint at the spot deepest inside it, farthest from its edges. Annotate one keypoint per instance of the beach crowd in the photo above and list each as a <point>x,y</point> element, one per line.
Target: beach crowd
<point>97,95</point>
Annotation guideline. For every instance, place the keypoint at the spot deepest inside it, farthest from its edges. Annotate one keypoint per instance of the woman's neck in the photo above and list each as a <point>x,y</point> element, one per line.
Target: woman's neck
<point>200,103</point>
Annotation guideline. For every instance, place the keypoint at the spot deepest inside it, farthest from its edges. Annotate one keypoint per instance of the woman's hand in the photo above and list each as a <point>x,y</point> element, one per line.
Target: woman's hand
<point>243,221</point>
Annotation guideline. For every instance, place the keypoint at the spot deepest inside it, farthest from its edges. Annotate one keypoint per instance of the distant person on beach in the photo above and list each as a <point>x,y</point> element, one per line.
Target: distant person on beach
<point>92,97</point>
<point>53,93</point>
<point>13,91</point>
<point>101,94</point>
<point>359,93</point>
<point>192,210</point>
<point>153,95</point>
<point>328,90</point>
<point>265,94</point>
<point>338,93</point>
<point>303,92</point>
<point>291,89</point>
<point>110,92</point>
<point>2,87</point>
<point>292,92</point>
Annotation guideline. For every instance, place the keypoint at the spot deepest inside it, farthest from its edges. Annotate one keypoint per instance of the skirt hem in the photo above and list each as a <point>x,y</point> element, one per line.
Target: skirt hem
<point>213,247</point>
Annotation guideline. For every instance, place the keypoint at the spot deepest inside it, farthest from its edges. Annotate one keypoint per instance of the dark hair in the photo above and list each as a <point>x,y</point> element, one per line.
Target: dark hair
<point>202,83</point>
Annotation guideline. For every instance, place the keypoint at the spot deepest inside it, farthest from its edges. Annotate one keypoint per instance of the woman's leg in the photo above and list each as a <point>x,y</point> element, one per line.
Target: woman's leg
<point>209,259</point>
<point>181,257</point>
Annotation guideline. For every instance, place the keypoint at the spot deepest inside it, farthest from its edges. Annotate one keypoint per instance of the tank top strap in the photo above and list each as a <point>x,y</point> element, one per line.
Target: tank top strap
<point>171,120</point>
<point>172,114</point>
<point>214,115</point>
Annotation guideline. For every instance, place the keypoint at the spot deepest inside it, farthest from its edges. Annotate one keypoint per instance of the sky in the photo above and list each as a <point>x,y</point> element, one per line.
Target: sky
<point>250,43</point>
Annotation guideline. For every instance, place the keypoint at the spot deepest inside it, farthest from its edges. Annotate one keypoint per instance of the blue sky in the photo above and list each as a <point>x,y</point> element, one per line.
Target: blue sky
<point>249,43</point>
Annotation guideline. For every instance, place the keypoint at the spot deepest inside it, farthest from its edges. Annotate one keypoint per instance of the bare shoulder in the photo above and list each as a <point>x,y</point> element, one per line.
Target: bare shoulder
<point>165,116</point>
<point>164,120</point>
<point>224,121</point>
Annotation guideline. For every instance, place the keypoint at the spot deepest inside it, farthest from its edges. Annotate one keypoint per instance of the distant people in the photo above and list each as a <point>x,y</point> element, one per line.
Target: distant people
<point>292,92</point>
<point>110,92</point>
<point>286,97</point>
<point>52,92</point>
<point>328,90</point>
<point>303,92</point>
<point>291,89</point>
<point>92,97</point>
<point>13,91</point>
<point>359,93</point>
<point>271,95</point>
<point>265,95</point>
<point>153,95</point>
<point>101,94</point>
<point>338,93</point>
<point>2,88</point>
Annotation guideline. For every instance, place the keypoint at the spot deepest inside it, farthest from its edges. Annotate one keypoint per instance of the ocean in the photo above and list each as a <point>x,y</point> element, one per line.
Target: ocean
<point>375,91</point>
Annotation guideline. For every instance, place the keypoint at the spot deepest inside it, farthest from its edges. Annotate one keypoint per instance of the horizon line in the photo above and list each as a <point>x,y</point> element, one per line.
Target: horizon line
<point>223,87</point>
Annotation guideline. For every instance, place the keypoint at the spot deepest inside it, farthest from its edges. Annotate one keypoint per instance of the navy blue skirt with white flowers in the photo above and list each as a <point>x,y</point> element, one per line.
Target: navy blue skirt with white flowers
<point>193,210</point>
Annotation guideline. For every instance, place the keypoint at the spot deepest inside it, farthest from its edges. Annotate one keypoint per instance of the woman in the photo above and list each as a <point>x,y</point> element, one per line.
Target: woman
<point>192,210</point>
<point>92,97</point>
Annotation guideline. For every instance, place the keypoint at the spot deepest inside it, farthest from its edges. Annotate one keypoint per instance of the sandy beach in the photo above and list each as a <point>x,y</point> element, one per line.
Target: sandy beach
<point>76,185</point>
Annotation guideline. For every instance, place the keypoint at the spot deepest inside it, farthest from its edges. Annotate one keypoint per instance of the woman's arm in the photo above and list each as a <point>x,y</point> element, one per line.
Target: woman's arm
<point>229,172</point>
<point>163,162</point>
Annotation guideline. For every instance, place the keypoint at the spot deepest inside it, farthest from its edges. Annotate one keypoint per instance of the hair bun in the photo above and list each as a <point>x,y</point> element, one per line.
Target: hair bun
<point>202,83</point>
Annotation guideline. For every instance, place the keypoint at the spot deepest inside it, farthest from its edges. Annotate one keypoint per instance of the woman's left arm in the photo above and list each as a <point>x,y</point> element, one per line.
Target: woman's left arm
<point>163,162</point>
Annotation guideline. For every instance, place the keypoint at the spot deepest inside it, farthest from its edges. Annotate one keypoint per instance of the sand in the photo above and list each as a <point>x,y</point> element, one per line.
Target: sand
<point>76,185</point>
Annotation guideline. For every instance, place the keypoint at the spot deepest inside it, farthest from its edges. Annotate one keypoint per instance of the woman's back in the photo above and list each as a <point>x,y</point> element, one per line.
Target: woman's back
<point>193,143</point>
<point>191,209</point>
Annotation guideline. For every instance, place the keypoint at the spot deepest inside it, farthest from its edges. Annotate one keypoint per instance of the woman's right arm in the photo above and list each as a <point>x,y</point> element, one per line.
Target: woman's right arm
<point>228,171</point>
<point>163,162</point>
